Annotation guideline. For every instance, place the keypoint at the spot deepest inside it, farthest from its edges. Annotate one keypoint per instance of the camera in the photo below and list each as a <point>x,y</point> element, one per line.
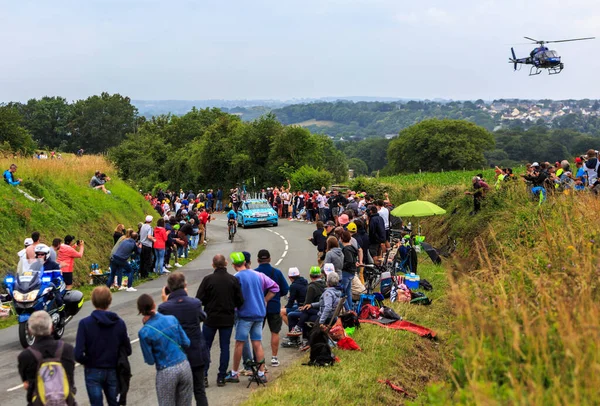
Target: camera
<point>78,242</point>
<point>167,290</point>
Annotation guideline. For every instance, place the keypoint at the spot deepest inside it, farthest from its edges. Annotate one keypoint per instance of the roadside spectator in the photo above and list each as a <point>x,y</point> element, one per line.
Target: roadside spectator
<point>189,313</point>
<point>376,234</point>
<point>351,263</point>
<point>55,248</point>
<point>22,254</point>
<point>273,317</point>
<point>30,250</point>
<point>297,292</point>
<point>66,258</point>
<point>315,289</point>
<point>327,302</point>
<point>160,241</point>
<point>147,240</point>
<point>118,232</point>
<point>479,189</point>
<point>334,255</point>
<point>9,178</point>
<point>219,206</point>
<point>319,240</point>
<point>163,341</point>
<point>45,346</point>
<point>221,294</point>
<point>100,339</point>
<point>258,290</point>
<point>119,261</point>
<point>98,181</point>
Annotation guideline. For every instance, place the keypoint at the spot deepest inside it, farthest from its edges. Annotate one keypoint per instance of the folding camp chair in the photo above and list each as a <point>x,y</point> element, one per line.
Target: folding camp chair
<point>254,367</point>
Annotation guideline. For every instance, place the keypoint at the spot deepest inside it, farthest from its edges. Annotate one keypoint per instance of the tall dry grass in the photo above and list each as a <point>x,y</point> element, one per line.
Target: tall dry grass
<point>528,320</point>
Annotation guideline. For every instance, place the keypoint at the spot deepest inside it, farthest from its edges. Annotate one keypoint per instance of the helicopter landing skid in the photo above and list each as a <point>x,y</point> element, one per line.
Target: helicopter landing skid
<point>534,71</point>
<point>555,70</point>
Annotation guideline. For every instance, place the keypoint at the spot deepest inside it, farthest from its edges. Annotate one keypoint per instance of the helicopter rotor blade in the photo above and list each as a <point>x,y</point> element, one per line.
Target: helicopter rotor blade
<point>569,40</point>
<point>531,39</point>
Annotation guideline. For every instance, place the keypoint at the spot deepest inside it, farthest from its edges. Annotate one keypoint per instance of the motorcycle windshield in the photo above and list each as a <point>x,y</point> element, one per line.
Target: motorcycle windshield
<point>29,272</point>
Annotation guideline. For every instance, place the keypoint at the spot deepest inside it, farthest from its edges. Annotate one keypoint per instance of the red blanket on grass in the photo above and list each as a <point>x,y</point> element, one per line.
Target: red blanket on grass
<point>404,325</point>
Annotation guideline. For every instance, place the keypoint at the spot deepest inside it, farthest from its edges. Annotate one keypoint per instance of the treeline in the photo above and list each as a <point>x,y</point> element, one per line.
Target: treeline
<point>211,148</point>
<point>366,119</point>
<point>94,124</point>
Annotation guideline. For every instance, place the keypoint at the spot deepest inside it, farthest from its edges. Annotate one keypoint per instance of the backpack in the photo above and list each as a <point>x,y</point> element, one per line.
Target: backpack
<point>320,351</point>
<point>419,298</point>
<point>52,385</point>
<point>350,319</point>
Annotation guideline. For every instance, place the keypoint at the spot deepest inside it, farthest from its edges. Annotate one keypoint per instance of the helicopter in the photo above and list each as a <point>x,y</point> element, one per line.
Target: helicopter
<point>542,57</point>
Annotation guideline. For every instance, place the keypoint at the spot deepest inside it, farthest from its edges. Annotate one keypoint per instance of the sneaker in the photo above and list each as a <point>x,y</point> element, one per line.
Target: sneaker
<point>232,378</point>
<point>177,264</point>
<point>165,270</point>
<point>131,290</point>
<point>181,256</point>
<point>206,381</point>
<point>220,382</point>
<point>122,288</point>
<point>296,331</point>
<point>41,200</point>
<point>274,362</point>
<point>168,266</point>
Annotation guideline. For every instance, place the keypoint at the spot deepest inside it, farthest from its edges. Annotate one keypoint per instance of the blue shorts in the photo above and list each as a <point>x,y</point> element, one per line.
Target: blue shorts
<point>245,327</point>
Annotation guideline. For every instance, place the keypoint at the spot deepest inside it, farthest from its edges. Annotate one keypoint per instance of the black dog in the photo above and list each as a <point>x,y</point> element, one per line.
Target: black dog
<point>320,351</point>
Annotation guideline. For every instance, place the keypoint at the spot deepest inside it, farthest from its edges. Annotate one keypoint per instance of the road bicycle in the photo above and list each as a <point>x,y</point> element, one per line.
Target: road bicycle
<point>232,228</point>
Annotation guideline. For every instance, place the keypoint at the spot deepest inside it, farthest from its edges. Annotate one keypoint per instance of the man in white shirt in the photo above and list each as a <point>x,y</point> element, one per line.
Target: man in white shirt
<point>384,213</point>
<point>27,242</point>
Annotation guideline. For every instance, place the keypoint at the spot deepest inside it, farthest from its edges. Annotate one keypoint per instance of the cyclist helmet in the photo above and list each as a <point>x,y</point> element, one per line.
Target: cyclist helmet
<point>42,249</point>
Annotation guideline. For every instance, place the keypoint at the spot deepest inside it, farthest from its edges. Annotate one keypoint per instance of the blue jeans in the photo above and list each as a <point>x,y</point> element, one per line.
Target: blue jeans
<point>182,251</point>
<point>224,339</point>
<point>117,267</point>
<point>194,239</point>
<point>219,205</point>
<point>159,262</point>
<point>101,380</point>
<point>293,318</point>
<point>347,289</point>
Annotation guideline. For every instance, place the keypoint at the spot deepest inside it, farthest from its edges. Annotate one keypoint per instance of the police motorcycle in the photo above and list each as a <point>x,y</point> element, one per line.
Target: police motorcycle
<point>33,288</point>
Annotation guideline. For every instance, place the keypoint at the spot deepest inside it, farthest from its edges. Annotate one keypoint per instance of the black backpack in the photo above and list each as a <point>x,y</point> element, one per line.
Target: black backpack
<point>350,319</point>
<point>419,298</point>
<point>320,351</point>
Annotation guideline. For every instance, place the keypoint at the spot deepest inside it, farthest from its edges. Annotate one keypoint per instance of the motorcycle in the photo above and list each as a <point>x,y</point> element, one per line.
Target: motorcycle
<point>31,290</point>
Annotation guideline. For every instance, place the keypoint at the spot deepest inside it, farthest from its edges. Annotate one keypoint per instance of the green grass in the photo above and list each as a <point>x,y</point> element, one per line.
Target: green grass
<point>405,358</point>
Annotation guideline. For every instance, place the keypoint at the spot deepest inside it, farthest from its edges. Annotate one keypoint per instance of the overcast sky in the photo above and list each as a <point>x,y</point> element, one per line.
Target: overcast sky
<point>284,49</point>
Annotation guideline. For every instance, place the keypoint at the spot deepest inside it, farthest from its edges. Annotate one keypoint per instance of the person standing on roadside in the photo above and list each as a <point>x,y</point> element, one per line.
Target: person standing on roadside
<point>147,240</point>
<point>163,341</point>
<point>100,339</point>
<point>66,257</point>
<point>119,261</point>
<point>319,240</point>
<point>258,290</point>
<point>39,325</point>
<point>30,249</point>
<point>188,311</point>
<point>273,318</point>
<point>160,243</point>
<point>221,294</point>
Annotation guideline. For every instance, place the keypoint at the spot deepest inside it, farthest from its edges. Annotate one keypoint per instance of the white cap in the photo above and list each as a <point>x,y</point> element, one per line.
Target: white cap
<point>28,242</point>
<point>149,218</point>
<point>535,164</point>
<point>293,272</point>
<point>328,268</point>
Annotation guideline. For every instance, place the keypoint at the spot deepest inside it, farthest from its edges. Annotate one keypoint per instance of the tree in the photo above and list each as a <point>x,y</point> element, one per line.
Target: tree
<point>13,137</point>
<point>100,122</point>
<point>292,148</point>
<point>359,166</point>
<point>47,120</point>
<point>435,145</point>
<point>308,178</point>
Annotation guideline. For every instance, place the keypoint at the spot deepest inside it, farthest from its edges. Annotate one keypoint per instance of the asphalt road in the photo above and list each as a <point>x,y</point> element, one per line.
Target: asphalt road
<point>288,246</point>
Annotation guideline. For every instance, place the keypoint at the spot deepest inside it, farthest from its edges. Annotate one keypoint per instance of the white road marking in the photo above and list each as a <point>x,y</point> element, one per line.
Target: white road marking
<point>76,365</point>
<point>284,254</point>
<point>278,262</point>
<point>287,246</point>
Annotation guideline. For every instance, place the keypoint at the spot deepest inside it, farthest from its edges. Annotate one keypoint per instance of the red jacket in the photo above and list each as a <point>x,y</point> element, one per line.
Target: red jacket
<point>160,234</point>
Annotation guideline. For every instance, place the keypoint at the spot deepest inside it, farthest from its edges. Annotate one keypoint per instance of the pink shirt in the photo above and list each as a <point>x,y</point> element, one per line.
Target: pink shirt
<point>66,256</point>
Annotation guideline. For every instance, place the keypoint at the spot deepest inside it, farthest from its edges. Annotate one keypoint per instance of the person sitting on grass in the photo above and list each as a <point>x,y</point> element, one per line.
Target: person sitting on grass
<point>9,178</point>
<point>315,289</point>
<point>98,181</point>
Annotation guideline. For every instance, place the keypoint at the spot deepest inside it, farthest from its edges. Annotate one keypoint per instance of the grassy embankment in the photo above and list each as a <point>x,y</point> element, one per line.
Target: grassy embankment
<point>70,207</point>
<point>519,317</point>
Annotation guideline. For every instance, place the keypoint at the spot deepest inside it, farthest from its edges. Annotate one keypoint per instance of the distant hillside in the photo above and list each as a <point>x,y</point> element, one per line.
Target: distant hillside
<point>70,207</point>
<point>359,120</point>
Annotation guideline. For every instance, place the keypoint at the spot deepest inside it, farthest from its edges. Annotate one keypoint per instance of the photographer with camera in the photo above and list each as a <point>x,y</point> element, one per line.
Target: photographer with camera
<point>98,181</point>
<point>66,257</point>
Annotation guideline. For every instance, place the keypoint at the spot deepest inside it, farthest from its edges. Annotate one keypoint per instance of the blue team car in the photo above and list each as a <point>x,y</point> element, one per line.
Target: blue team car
<point>256,212</point>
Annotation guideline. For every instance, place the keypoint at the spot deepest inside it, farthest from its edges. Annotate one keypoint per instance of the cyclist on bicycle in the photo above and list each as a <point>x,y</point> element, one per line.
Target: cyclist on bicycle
<point>231,217</point>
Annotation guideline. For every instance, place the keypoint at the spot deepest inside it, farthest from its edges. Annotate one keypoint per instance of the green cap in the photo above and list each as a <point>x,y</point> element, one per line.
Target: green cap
<point>237,258</point>
<point>315,271</point>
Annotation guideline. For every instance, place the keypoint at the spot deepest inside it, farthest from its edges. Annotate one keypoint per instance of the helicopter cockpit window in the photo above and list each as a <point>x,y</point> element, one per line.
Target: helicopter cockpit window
<point>550,54</point>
